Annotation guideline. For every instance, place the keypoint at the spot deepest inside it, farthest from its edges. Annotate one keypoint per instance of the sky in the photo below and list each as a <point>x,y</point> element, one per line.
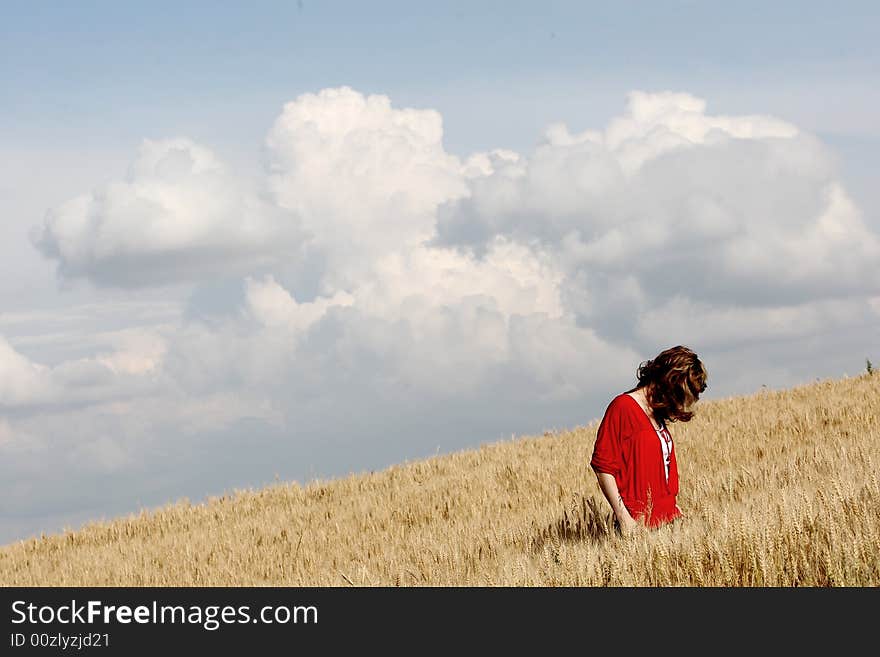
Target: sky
<point>284,241</point>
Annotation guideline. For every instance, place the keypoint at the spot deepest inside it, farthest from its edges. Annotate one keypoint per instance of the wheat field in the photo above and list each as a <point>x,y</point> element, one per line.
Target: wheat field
<point>779,488</point>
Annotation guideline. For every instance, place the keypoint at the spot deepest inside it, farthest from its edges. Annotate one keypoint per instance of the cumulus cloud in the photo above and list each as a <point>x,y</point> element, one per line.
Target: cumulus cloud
<point>178,215</point>
<point>669,200</point>
<point>122,373</point>
<point>22,381</point>
<point>363,177</point>
<point>272,305</point>
<point>423,320</point>
<point>348,178</point>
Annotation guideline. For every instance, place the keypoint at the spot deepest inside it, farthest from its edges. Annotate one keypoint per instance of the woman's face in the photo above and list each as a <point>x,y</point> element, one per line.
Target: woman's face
<point>692,393</point>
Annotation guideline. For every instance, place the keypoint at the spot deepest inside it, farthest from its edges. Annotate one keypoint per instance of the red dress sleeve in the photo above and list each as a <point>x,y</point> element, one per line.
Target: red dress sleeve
<point>607,455</point>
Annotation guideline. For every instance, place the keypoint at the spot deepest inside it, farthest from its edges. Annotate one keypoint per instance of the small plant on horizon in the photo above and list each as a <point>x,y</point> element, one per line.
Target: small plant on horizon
<point>869,367</point>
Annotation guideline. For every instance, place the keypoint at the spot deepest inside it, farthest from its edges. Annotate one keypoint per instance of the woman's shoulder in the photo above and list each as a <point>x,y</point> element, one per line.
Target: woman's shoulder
<point>621,404</point>
<point>623,398</point>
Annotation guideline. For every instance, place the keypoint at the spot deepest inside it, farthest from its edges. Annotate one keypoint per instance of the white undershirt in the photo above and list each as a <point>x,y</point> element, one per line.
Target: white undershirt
<point>666,444</point>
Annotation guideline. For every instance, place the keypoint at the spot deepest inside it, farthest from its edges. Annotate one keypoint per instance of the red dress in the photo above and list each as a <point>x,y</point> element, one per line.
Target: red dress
<point>627,447</point>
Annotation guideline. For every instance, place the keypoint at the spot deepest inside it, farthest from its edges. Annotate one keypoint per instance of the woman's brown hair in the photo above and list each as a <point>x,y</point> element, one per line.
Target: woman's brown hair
<point>674,380</point>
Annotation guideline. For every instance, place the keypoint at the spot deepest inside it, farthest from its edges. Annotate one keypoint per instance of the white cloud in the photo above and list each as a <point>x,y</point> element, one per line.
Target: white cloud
<point>272,305</point>
<point>178,215</point>
<point>516,278</point>
<point>21,381</point>
<point>428,320</point>
<point>832,250</point>
<point>363,177</point>
<point>129,371</point>
<point>137,351</point>
<point>669,200</point>
<point>657,123</point>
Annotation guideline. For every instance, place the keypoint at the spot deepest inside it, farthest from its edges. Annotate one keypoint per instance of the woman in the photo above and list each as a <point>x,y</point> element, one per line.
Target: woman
<point>634,456</point>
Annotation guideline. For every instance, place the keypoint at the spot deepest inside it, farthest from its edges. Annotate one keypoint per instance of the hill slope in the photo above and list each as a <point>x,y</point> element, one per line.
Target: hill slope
<point>779,488</point>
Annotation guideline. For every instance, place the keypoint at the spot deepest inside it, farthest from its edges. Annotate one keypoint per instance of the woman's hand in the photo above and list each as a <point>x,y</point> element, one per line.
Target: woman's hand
<point>625,521</point>
<point>627,524</point>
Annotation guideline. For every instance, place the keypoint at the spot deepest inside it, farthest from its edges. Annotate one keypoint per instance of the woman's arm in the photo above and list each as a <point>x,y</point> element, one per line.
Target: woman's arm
<point>608,484</point>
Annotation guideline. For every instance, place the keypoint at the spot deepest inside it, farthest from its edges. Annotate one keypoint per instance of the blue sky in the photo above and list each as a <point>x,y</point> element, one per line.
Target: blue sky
<point>168,328</point>
<point>117,69</point>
